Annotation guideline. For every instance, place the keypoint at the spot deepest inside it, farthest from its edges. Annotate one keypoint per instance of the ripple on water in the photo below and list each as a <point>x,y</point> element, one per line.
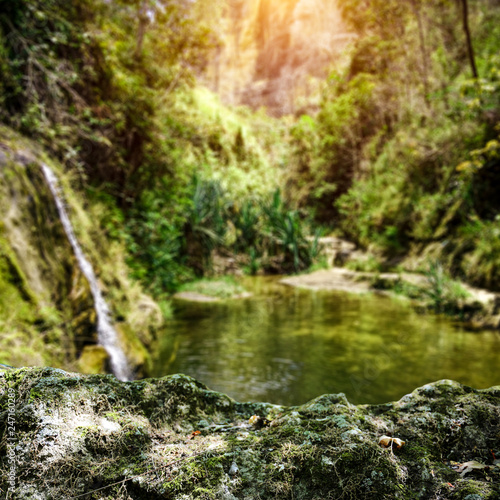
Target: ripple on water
<point>287,346</point>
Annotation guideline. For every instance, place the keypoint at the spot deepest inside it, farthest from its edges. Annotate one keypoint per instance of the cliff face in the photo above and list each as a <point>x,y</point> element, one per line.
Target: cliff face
<point>272,51</point>
<point>96,437</point>
<point>47,311</point>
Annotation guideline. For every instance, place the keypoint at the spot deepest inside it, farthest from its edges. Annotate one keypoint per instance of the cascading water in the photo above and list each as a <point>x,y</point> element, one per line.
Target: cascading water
<point>106,334</point>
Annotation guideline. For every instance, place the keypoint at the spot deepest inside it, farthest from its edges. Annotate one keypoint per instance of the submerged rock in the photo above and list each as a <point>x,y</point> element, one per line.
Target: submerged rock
<point>72,435</point>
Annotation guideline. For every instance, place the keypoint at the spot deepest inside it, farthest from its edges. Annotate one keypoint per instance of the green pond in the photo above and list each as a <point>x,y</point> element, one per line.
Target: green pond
<point>286,346</point>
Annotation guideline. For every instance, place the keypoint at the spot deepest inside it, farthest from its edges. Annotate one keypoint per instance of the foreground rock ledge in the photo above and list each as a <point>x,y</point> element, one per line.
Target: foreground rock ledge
<point>94,437</point>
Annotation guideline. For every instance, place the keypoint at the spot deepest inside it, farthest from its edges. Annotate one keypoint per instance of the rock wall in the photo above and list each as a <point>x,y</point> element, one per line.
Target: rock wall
<point>172,438</point>
<point>47,314</point>
<point>272,51</point>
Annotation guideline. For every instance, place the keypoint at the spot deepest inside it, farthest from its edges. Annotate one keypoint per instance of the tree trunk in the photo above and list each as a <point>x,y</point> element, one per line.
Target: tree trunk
<point>423,49</point>
<point>470,49</point>
<point>143,22</point>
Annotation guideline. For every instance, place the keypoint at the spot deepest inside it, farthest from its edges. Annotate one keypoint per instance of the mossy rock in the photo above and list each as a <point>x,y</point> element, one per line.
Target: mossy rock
<point>174,438</point>
<point>93,360</point>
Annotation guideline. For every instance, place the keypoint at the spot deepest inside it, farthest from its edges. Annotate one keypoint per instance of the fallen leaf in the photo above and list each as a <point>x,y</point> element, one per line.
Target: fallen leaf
<point>467,467</point>
<point>194,434</point>
<point>387,441</point>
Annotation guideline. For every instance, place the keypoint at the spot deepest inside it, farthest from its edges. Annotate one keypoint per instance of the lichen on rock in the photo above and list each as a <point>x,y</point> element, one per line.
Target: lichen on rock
<point>174,438</point>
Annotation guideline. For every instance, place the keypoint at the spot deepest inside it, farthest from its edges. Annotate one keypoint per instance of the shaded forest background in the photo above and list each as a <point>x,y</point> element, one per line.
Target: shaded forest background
<point>247,128</point>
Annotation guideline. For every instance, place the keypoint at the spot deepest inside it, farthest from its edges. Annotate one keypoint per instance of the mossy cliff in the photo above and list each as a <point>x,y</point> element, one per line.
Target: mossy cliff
<point>95,437</point>
<point>46,308</point>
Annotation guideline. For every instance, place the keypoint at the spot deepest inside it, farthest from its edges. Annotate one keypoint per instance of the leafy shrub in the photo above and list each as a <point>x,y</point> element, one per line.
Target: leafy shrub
<point>74,78</point>
<point>480,263</point>
<point>171,241</point>
<point>155,242</point>
<point>411,188</point>
<point>327,149</point>
<point>206,223</point>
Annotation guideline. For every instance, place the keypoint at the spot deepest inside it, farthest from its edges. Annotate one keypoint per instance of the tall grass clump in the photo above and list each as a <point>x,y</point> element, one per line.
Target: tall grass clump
<point>439,292</point>
<point>443,294</point>
<point>284,235</point>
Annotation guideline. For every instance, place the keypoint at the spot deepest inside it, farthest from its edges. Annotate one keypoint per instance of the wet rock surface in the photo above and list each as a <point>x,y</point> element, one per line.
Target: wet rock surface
<point>174,438</point>
<point>47,310</point>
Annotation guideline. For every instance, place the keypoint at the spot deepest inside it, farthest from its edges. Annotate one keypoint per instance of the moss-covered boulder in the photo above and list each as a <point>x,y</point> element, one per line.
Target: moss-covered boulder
<point>66,435</point>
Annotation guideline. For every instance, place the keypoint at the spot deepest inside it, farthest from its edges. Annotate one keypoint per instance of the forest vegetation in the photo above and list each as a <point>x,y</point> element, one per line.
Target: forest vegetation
<point>394,145</point>
<point>403,154</point>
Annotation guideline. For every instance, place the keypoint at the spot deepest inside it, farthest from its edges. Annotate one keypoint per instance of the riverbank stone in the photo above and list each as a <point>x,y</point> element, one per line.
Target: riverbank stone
<point>175,438</point>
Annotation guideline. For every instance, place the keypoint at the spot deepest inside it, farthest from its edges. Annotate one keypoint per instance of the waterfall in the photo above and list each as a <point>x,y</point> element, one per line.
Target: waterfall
<point>106,334</point>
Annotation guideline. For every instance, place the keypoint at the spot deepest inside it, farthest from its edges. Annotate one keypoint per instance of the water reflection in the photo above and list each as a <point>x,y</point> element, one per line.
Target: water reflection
<point>287,346</point>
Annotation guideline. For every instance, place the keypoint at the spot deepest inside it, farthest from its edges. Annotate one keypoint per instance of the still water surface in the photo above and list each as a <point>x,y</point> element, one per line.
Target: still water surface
<point>287,346</point>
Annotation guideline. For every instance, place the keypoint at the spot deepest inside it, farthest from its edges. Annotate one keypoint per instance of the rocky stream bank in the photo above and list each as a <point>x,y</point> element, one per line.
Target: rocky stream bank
<point>66,436</point>
<point>478,308</point>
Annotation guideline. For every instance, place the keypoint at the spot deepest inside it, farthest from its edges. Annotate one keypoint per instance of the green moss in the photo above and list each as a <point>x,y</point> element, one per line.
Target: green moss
<point>223,288</point>
<point>93,360</point>
<point>15,295</point>
<point>135,351</point>
<point>134,438</point>
<point>101,431</point>
<point>472,489</point>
